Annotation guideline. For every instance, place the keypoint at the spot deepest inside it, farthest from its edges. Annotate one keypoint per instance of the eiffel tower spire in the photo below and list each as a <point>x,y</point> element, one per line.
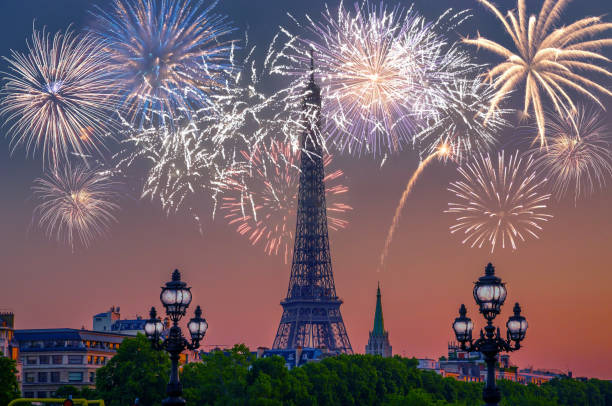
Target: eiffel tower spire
<point>311,311</point>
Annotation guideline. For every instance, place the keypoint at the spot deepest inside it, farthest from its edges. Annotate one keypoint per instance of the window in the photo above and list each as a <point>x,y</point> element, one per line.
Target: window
<point>89,359</point>
<point>92,377</point>
<point>75,359</point>
<point>75,377</point>
<point>58,359</point>
<point>29,377</point>
<point>42,377</point>
<point>44,359</point>
<point>31,360</point>
<point>28,394</point>
<point>103,360</point>
<point>55,377</point>
<point>41,394</point>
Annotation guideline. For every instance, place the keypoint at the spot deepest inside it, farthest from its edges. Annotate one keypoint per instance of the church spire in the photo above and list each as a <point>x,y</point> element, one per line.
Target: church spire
<point>379,323</point>
<point>378,343</point>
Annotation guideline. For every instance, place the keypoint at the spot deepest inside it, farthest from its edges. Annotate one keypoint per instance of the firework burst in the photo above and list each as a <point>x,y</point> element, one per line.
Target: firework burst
<point>262,203</point>
<point>379,70</point>
<point>169,55</point>
<point>57,96</point>
<point>548,61</point>
<point>461,121</point>
<point>195,157</point>
<point>498,203</point>
<point>76,203</point>
<point>577,154</point>
<point>185,164</point>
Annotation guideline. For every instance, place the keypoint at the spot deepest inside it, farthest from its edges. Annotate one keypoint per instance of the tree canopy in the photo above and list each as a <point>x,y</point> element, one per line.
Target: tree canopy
<point>236,377</point>
<point>136,371</point>
<point>9,387</point>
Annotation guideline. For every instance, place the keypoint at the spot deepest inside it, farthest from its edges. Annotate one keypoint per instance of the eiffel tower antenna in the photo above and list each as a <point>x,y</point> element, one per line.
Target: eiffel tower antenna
<point>312,68</point>
<point>311,311</point>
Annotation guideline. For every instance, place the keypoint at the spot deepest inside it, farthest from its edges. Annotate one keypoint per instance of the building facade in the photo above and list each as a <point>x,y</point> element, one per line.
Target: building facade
<point>470,367</point>
<point>52,358</point>
<point>104,321</point>
<point>378,343</point>
<point>111,321</point>
<point>8,345</point>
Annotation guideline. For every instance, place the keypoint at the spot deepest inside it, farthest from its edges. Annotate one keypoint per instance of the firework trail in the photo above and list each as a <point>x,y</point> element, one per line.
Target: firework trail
<point>443,152</point>
<point>548,60</point>
<point>577,153</point>
<point>169,55</point>
<point>58,96</point>
<point>503,202</point>
<point>379,71</point>
<point>262,203</point>
<point>76,203</point>
<point>457,128</point>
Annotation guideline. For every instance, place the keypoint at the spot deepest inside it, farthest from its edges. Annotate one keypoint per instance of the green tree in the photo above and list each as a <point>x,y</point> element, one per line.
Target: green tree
<point>136,371</point>
<point>9,388</point>
<point>69,390</point>
<point>220,379</point>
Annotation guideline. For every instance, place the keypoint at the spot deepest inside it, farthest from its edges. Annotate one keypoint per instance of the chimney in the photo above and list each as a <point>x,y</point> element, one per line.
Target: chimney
<point>298,355</point>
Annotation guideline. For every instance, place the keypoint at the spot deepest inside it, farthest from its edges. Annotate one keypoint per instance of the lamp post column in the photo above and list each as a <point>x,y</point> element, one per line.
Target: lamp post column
<point>491,394</point>
<point>174,390</point>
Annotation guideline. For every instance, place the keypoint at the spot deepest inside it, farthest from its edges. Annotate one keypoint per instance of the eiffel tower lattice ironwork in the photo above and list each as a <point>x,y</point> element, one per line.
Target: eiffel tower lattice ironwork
<point>311,311</point>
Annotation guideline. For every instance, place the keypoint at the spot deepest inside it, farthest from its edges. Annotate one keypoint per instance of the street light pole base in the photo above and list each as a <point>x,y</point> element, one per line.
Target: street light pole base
<point>491,396</point>
<point>174,401</point>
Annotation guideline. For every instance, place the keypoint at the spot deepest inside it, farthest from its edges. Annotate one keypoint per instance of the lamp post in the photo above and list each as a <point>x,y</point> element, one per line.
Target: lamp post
<point>490,295</point>
<point>175,297</point>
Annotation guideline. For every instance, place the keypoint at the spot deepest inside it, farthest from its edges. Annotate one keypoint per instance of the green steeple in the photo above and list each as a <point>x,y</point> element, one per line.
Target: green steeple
<point>379,324</point>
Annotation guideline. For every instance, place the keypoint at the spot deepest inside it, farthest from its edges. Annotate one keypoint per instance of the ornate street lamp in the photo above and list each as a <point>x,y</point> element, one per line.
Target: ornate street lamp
<point>175,297</point>
<point>490,295</point>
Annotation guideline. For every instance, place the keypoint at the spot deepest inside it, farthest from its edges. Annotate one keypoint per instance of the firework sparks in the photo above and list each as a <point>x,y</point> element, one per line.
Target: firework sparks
<point>577,152</point>
<point>263,203</point>
<point>548,60</point>
<point>460,122</point>
<point>501,203</point>
<point>169,55</point>
<point>76,203</point>
<point>379,72</point>
<point>58,96</point>
<point>185,164</point>
<point>196,157</point>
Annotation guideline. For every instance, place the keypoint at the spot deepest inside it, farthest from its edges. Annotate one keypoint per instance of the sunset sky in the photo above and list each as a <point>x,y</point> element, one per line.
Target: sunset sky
<point>563,281</point>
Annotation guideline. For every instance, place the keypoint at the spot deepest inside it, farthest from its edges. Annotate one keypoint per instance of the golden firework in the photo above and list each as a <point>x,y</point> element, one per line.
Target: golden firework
<point>548,61</point>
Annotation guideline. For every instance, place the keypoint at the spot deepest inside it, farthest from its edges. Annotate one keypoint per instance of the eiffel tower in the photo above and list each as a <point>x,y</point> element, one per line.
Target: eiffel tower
<point>311,311</point>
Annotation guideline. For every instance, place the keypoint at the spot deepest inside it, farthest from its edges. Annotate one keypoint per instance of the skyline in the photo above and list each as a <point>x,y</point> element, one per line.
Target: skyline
<point>421,282</point>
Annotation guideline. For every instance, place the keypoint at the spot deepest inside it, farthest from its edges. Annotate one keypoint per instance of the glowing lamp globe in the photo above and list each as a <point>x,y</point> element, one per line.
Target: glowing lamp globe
<point>175,296</point>
<point>517,325</point>
<point>463,326</point>
<point>490,293</point>
<point>153,327</point>
<point>197,326</point>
